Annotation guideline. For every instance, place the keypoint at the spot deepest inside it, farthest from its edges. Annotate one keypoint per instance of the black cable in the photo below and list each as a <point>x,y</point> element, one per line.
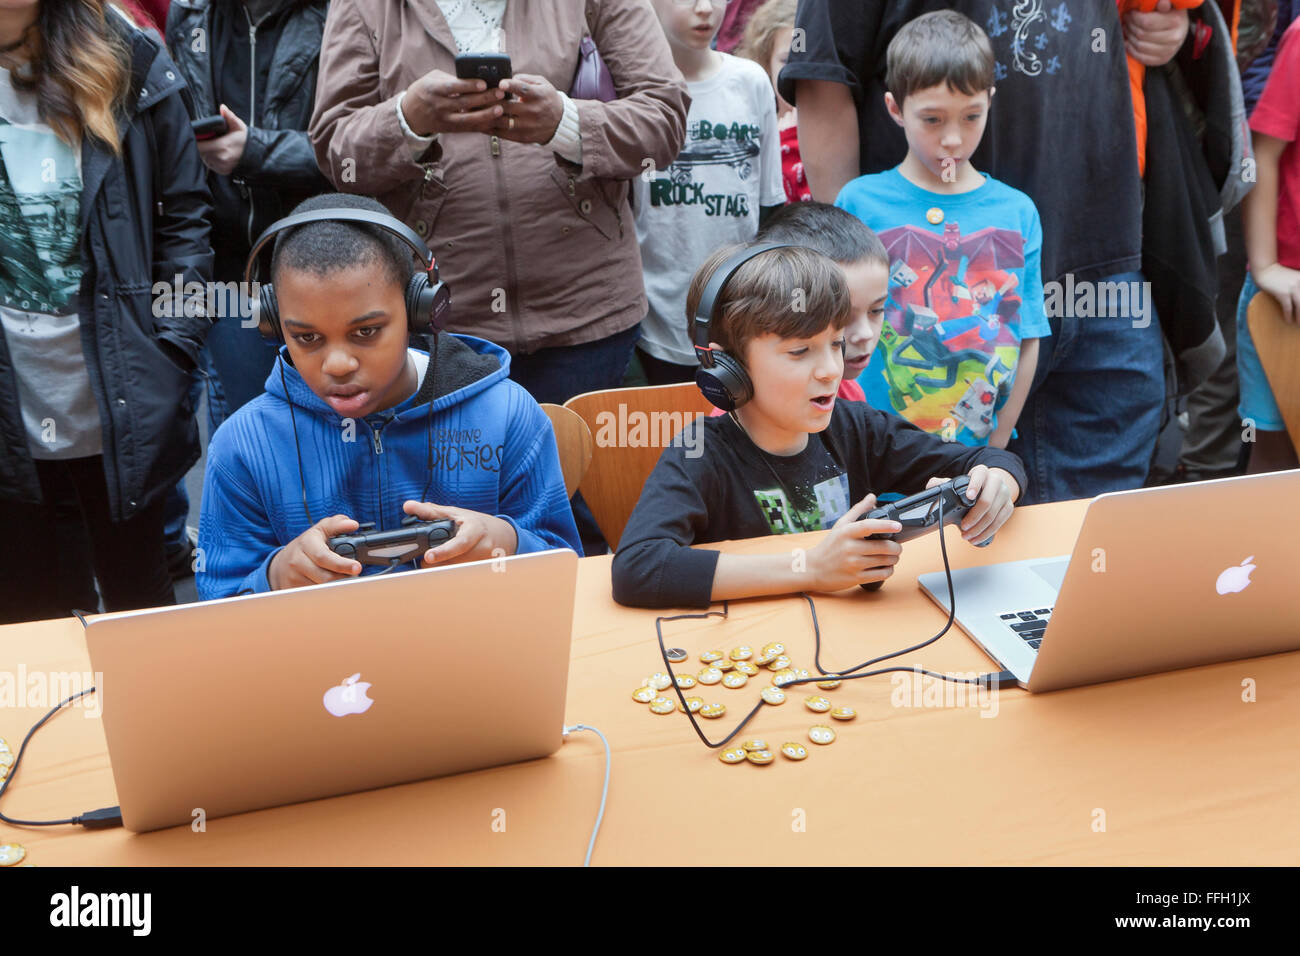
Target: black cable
<point>302,481</point>
<point>991,680</point>
<point>91,819</point>
<point>428,430</point>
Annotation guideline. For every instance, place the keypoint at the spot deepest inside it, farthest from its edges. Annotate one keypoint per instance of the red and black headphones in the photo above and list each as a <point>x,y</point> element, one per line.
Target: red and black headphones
<point>721,376</point>
<point>428,300</point>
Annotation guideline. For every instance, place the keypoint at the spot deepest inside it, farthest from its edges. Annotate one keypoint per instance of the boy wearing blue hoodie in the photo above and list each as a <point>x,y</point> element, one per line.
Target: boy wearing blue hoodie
<point>352,419</point>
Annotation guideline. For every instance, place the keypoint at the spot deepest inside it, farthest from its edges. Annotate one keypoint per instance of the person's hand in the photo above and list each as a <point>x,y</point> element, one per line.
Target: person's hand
<point>441,103</point>
<point>1282,284</point>
<point>1154,38</point>
<point>221,154</point>
<point>478,536</point>
<point>846,557</point>
<point>307,559</point>
<point>995,493</point>
<point>534,114</point>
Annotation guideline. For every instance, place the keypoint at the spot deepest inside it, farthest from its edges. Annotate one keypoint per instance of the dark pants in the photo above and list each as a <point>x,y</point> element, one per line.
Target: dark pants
<point>1212,447</point>
<point>1092,419</point>
<point>659,372</point>
<point>556,375</point>
<point>41,571</point>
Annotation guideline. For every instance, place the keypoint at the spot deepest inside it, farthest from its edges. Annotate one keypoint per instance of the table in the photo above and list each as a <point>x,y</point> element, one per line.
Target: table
<point>1170,769</point>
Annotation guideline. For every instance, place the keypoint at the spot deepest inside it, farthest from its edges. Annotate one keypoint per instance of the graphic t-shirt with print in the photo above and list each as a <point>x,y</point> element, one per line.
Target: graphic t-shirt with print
<point>965,287</point>
<point>40,278</point>
<point>709,196</point>
<point>815,481</point>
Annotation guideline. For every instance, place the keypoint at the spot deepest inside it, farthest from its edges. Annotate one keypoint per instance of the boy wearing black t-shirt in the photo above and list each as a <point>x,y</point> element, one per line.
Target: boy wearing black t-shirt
<point>792,458</point>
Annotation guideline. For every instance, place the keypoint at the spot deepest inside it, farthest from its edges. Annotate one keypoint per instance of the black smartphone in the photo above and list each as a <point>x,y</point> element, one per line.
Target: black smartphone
<point>209,127</point>
<point>491,67</point>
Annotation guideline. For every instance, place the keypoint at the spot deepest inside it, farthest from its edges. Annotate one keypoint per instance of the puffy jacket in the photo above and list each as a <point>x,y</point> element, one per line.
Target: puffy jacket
<point>278,169</point>
<point>493,451</point>
<point>538,252</point>
<point>143,220</point>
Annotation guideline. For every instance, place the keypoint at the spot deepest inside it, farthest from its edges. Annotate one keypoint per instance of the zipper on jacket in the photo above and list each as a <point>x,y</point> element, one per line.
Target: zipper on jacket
<point>252,103</point>
<point>508,237</point>
<point>379,470</point>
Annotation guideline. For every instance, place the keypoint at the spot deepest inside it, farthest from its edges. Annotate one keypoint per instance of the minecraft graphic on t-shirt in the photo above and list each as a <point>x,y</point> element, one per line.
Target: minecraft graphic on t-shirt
<point>951,335</point>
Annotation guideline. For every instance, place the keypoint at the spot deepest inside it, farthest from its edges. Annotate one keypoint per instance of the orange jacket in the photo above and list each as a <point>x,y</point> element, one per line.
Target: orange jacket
<point>1137,73</point>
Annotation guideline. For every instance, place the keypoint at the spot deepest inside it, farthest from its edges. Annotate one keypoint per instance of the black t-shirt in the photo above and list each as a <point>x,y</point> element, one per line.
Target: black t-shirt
<point>718,486</point>
<point>1061,124</point>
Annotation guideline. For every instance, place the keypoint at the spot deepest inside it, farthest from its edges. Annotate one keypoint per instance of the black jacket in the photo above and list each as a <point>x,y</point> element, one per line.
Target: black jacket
<point>278,169</point>
<point>1192,178</point>
<point>143,221</point>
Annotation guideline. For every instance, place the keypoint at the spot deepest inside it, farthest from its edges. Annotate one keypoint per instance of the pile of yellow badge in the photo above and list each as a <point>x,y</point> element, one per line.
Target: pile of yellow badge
<point>733,671</point>
<point>10,853</point>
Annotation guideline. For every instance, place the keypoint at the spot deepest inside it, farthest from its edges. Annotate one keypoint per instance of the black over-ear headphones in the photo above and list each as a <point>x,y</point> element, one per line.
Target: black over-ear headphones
<point>428,300</point>
<point>721,377</point>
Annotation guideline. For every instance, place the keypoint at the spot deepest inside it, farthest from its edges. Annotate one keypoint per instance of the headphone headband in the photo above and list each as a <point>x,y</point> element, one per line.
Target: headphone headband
<point>704,309</point>
<point>343,214</point>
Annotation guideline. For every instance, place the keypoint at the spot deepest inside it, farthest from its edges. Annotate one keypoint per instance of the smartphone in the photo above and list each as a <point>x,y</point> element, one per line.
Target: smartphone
<point>492,67</point>
<point>209,127</point>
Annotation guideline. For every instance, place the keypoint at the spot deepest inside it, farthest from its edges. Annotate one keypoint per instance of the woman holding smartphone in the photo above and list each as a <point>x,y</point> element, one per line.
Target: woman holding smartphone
<point>522,191</point>
<point>101,196</point>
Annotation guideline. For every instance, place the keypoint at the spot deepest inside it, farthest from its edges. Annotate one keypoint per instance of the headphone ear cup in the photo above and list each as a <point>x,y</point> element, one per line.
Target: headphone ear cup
<point>268,314</point>
<point>727,385</point>
<point>428,305</point>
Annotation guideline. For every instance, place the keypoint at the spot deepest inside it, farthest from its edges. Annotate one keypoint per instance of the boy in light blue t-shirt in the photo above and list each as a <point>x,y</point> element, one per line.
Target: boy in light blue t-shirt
<point>959,343</point>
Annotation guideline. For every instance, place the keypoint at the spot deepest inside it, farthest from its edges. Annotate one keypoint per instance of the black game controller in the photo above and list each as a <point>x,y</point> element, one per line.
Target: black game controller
<point>919,514</point>
<point>386,548</point>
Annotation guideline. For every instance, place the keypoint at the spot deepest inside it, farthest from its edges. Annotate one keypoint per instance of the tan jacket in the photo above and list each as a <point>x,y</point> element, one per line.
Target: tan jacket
<point>537,251</point>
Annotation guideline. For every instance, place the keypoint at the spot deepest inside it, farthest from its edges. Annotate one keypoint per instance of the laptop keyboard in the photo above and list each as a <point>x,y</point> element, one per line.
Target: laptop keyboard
<point>1029,624</point>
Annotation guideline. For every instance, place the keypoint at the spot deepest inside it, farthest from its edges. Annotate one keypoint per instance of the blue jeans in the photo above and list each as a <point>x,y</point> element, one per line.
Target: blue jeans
<point>241,361</point>
<point>1092,419</point>
<point>176,505</point>
<point>237,361</point>
<point>556,375</point>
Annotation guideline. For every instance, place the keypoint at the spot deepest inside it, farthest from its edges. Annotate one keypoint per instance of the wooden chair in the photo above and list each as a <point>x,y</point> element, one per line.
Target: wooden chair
<point>573,440</point>
<point>631,427</point>
<point>1278,344</point>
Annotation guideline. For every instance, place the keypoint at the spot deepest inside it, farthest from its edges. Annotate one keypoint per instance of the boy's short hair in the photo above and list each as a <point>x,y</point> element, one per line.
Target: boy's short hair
<point>321,248</point>
<point>832,231</point>
<point>939,47</point>
<point>794,293</point>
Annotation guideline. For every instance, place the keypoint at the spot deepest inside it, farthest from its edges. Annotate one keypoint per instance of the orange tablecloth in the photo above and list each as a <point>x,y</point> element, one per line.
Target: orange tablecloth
<point>1177,768</point>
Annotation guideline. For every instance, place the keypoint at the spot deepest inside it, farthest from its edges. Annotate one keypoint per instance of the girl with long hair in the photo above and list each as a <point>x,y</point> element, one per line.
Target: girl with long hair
<point>102,196</point>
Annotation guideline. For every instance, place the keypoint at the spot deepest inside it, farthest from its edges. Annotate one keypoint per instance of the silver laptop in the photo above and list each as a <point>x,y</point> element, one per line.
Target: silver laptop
<point>1160,578</point>
<point>249,702</point>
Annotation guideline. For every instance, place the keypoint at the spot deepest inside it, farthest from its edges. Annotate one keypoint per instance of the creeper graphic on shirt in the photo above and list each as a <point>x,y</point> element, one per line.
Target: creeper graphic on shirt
<point>776,511</point>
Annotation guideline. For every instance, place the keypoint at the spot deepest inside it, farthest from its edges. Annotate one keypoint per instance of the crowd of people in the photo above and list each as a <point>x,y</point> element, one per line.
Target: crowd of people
<point>1002,239</point>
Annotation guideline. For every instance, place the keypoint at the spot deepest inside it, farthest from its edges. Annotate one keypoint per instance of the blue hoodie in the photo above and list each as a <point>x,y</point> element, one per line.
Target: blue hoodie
<point>493,452</point>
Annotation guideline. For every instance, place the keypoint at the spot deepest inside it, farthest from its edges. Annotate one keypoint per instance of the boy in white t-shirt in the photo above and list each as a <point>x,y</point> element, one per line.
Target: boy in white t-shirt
<point>718,190</point>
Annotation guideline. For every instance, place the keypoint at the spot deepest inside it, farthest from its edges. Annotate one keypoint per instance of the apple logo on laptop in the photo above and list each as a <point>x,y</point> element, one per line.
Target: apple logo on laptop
<point>348,697</point>
<point>1235,578</point>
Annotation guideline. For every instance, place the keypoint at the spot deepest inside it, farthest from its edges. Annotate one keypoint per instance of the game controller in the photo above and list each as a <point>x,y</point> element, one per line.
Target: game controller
<point>386,548</point>
<point>919,514</point>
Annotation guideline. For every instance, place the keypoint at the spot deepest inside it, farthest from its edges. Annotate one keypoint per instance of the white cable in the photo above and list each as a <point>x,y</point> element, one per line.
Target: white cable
<point>604,793</point>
